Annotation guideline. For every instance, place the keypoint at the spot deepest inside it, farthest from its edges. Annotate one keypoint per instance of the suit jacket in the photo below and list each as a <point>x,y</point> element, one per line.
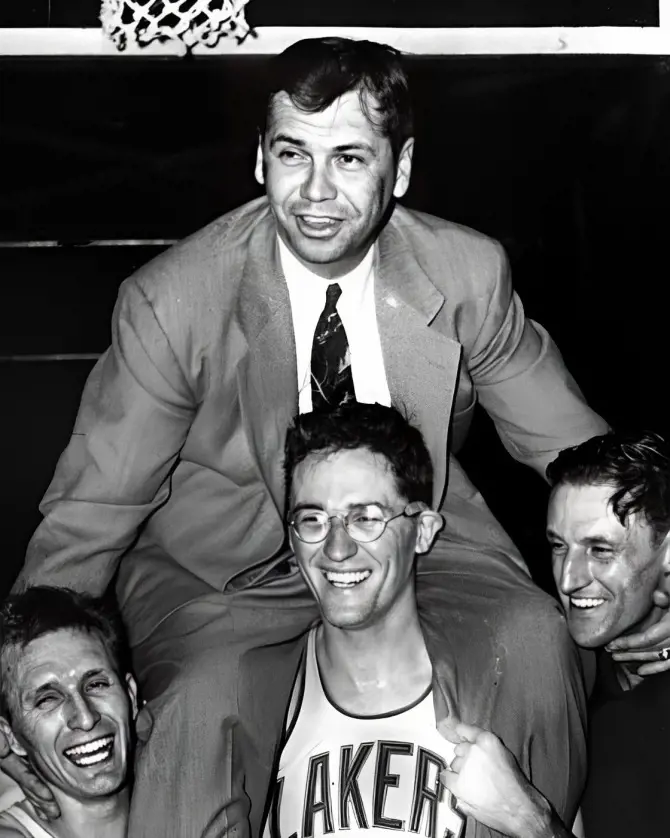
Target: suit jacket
<point>181,426</point>
<point>495,700</point>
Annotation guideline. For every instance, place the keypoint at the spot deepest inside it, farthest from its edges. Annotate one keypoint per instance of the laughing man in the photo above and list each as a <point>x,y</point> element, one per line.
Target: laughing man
<point>68,707</point>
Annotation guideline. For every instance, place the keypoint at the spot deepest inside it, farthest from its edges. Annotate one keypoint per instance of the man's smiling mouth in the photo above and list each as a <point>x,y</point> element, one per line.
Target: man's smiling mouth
<point>90,753</point>
<point>585,603</point>
<point>346,579</point>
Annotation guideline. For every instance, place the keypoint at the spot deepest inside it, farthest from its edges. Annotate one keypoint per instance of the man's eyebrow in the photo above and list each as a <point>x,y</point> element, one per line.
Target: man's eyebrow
<point>343,148</point>
<point>356,505</point>
<point>600,539</point>
<point>285,138</point>
<point>358,146</point>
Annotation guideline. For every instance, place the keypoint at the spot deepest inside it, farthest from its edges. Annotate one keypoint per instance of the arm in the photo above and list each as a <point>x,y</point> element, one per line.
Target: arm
<point>522,382</point>
<point>490,787</point>
<point>134,416</point>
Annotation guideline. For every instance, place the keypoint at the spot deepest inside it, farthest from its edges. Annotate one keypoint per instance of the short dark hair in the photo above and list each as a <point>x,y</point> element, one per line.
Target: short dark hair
<point>382,430</point>
<point>41,610</point>
<point>636,465</point>
<point>315,72</point>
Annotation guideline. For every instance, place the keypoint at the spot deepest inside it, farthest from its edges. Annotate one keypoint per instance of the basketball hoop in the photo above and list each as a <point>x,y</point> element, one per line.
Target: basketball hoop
<point>190,21</point>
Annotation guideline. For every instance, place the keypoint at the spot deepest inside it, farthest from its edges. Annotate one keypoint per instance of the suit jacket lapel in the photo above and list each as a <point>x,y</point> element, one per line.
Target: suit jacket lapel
<point>421,364</point>
<point>265,683</point>
<point>267,379</point>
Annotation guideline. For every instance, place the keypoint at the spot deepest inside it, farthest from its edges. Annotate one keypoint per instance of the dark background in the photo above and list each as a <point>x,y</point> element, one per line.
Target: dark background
<point>564,159</point>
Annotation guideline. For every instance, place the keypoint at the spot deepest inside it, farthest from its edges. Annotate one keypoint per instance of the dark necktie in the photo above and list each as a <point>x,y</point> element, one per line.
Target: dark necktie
<point>332,383</point>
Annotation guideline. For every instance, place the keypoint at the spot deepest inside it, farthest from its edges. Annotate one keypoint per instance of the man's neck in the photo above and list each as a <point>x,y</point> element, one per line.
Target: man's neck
<point>103,818</point>
<point>374,670</point>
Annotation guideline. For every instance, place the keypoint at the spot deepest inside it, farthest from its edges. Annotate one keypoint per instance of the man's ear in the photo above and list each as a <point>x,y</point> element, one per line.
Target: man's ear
<point>430,523</point>
<point>258,171</point>
<point>14,743</point>
<point>131,687</point>
<point>404,168</point>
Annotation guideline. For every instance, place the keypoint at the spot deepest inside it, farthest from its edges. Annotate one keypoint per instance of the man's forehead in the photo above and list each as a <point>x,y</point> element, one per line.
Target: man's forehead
<point>62,654</point>
<point>347,472</point>
<point>586,512</point>
<point>343,118</point>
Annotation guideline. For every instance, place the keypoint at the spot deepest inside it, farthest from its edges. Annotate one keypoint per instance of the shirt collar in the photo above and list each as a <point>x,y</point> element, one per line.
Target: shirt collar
<point>352,283</point>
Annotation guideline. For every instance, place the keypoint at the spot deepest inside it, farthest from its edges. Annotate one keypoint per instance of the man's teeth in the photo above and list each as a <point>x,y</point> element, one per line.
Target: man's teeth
<point>342,579</point>
<point>318,220</point>
<point>585,602</point>
<point>91,752</point>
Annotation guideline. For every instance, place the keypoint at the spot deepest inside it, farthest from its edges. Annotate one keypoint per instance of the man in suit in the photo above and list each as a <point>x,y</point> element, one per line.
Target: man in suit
<point>371,679</point>
<point>173,475</point>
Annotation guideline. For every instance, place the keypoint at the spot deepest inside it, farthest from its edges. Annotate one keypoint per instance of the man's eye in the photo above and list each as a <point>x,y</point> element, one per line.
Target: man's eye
<point>350,161</point>
<point>47,700</point>
<point>601,552</point>
<point>367,516</point>
<point>289,156</point>
<point>309,518</point>
<point>98,684</point>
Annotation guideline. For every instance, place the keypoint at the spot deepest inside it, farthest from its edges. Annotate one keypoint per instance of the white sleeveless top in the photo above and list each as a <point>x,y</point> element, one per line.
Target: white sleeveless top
<point>16,815</point>
<point>361,776</point>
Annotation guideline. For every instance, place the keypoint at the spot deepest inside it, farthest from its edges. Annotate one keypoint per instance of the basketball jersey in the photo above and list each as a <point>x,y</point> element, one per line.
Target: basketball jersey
<point>341,774</point>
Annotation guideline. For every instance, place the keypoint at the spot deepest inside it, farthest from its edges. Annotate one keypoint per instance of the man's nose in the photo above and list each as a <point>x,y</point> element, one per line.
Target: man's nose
<point>318,185</point>
<point>575,573</point>
<point>339,545</point>
<point>82,713</point>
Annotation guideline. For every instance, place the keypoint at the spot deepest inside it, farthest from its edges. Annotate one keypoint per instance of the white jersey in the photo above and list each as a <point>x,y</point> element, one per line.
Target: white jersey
<point>361,776</point>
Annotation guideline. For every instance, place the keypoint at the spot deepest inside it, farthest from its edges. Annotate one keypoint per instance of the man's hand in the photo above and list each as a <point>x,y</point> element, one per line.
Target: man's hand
<point>34,789</point>
<point>647,645</point>
<point>490,787</point>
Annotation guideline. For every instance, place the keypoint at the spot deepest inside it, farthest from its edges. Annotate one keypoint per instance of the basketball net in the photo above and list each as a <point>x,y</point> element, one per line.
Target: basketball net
<point>190,21</point>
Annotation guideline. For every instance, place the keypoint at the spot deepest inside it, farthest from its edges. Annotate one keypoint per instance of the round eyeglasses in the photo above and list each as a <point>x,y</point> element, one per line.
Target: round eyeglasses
<point>363,523</point>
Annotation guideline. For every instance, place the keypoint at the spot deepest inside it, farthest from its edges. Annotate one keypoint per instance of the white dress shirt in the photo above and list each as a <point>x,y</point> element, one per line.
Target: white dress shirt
<point>356,308</point>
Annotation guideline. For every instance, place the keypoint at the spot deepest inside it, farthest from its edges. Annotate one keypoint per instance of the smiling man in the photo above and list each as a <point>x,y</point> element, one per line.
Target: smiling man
<point>368,683</point>
<point>68,707</point>
<point>608,525</point>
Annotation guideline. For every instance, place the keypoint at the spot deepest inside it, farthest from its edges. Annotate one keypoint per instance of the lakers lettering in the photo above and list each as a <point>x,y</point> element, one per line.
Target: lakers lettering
<point>383,785</point>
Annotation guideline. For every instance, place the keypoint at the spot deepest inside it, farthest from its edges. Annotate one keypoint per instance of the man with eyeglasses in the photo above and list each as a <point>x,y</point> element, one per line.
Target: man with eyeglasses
<point>367,684</point>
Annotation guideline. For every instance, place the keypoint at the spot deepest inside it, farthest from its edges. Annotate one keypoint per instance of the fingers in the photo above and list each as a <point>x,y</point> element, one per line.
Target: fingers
<point>447,729</point>
<point>34,789</point>
<point>653,668</point>
<point>654,638</point>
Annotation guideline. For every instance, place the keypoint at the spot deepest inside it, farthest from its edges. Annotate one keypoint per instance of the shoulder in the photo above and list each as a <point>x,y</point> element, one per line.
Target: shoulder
<point>201,260</point>
<point>460,261</point>
<point>424,230</point>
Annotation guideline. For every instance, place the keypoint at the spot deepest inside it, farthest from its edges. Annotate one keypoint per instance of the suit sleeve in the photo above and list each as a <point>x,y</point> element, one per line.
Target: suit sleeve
<point>523,383</point>
<point>135,413</point>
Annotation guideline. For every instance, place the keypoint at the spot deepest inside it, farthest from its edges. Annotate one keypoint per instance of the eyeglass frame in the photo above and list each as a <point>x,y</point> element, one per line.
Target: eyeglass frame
<point>421,507</point>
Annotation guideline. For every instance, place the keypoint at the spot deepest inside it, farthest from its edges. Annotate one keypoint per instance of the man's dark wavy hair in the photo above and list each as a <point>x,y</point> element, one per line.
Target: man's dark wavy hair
<point>636,465</point>
<point>41,610</point>
<point>315,72</point>
<point>382,430</point>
